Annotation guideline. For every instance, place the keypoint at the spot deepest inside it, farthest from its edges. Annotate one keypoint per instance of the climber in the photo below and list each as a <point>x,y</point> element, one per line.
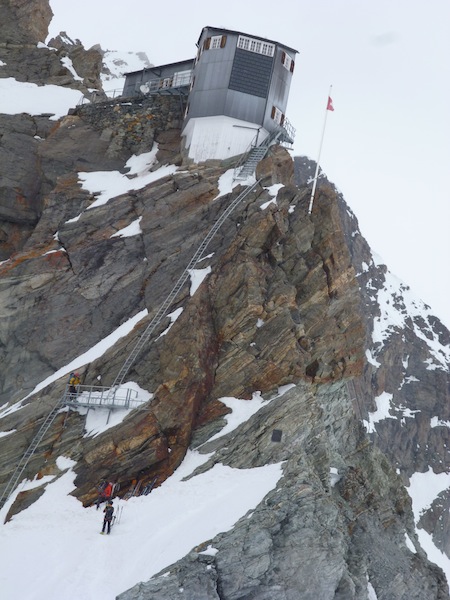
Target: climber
<point>74,381</point>
<point>108,510</point>
<point>105,494</point>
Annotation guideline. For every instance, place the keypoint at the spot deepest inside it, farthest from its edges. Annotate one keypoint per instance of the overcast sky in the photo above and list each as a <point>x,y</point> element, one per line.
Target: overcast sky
<point>386,144</point>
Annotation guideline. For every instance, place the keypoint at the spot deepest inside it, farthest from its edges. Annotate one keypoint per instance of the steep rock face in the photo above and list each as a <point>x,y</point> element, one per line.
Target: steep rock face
<point>313,536</point>
<point>405,389</point>
<point>24,21</point>
<point>25,179</point>
<point>278,307</point>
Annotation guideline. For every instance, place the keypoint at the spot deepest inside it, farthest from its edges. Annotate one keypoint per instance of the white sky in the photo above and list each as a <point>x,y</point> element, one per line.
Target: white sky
<point>387,143</point>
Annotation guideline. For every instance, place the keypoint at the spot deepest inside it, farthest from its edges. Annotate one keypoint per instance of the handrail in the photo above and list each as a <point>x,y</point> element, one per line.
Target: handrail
<point>100,396</point>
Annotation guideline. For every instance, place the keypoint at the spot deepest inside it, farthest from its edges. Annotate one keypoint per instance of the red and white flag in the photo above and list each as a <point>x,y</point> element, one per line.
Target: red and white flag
<point>330,104</point>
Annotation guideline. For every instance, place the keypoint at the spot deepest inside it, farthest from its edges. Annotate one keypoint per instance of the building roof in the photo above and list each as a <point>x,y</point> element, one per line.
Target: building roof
<point>152,68</point>
<point>256,37</point>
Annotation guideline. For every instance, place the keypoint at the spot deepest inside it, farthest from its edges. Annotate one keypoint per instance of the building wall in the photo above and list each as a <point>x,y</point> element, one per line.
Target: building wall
<point>239,83</point>
<point>220,137</point>
<point>134,81</point>
<point>208,96</point>
<point>280,85</point>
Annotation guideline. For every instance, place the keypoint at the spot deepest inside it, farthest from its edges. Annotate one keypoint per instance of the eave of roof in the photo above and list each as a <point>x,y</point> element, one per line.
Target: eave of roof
<point>180,62</point>
<point>256,37</point>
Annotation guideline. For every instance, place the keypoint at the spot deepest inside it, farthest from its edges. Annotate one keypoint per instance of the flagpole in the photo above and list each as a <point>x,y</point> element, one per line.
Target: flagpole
<point>313,191</point>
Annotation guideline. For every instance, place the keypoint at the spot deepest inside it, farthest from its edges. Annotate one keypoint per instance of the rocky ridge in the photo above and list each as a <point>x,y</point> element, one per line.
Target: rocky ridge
<point>291,299</point>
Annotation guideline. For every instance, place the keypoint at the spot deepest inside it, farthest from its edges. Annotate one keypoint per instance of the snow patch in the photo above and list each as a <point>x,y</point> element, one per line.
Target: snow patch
<point>67,63</point>
<point>133,228</point>
<point>436,422</point>
<point>173,316</point>
<point>383,402</point>
<point>371,360</point>
<point>110,184</point>
<point>197,276</point>
<point>242,410</point>
<point>169,522</point>
<point>268,203</point>
<point>409,544</point>
<point>5,433</point>
<point>23,97</point>
<point>424,488</point>
<point>334,476</point>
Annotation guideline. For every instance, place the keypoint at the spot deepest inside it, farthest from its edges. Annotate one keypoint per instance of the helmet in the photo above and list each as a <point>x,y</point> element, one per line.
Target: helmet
<point>110,501</point>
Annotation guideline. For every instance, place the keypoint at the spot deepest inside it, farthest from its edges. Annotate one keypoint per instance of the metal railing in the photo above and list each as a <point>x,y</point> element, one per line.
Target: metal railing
<point>163,83</point>
<point>99,396</point>
<point>289,129</point>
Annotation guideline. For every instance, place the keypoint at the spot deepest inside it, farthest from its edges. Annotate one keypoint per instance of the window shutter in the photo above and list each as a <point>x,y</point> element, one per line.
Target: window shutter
<point>292,66</point>
<point>283,57</point>
<point>207,44</point>
<point>223,41</point>
<point>273,112</point>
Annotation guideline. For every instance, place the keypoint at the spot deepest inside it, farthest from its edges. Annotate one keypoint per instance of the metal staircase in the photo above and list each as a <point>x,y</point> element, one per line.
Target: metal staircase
<point>110,399</point>
<point>249,166</point>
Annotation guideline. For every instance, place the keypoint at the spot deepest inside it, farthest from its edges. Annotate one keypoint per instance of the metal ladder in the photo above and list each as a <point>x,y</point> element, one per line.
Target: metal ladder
<point>20,468</point>
<point>163,309</point>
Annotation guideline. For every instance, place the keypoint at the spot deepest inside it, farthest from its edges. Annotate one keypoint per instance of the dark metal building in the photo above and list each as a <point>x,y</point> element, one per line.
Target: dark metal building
<point>238,88</point>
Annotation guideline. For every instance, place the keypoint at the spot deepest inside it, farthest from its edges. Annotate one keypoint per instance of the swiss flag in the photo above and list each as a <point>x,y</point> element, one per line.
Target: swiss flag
<point>330,104</point>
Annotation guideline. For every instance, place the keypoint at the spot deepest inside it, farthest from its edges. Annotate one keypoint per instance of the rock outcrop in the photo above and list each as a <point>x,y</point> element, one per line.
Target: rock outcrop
<point>319,534</point>
<point>24,21</point>
<point>290,299</point>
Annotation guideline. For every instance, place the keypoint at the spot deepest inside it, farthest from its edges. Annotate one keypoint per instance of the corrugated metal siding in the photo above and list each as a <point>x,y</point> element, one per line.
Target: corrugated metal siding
<point>246,107</point>
<point>279,89</point>
<point>251,73</point>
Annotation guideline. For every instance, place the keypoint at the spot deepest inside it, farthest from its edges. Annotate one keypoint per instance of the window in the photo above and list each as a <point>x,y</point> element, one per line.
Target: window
<point>277,115</point>
<point>287,62</point>
<point>215,42</point>
<point>257,46</point>
<point>182,78</point>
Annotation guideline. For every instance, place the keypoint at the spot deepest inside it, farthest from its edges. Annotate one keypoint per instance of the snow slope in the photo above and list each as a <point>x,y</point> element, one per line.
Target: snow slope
<point>52,550</point>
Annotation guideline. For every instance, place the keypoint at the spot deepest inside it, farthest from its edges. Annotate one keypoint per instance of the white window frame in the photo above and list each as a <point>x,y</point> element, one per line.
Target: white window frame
<point>278,116</point>
<point>287,62</point>
<point>256,46</point>
<point>216,41</point>
<point>182,78</point>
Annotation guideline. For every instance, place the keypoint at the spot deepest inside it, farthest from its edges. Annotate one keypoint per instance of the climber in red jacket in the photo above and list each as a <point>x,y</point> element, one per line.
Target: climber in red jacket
<point>105,494</point>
